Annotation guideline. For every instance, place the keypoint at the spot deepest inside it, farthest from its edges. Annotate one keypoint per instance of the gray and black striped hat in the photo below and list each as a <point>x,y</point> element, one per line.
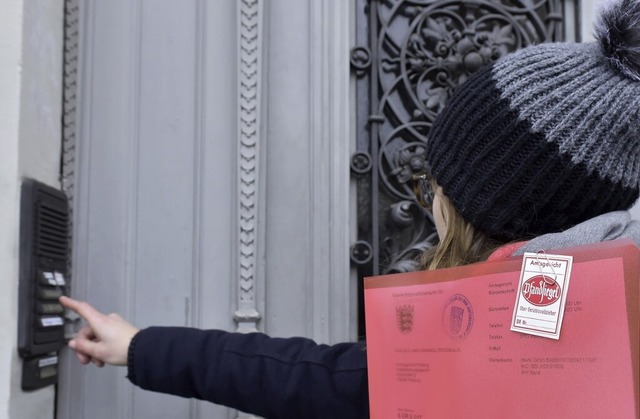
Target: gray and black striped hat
<point>548,136</point>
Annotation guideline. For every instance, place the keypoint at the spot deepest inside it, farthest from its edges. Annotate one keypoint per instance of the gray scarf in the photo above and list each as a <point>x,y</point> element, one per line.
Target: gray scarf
<point>609,226</point>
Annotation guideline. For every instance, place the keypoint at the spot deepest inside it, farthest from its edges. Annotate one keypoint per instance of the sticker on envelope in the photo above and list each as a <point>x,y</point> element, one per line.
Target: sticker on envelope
<point>542,293</point>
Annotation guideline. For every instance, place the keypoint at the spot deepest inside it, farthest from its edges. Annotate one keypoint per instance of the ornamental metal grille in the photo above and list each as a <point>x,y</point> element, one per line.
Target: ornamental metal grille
<point>410,55</point>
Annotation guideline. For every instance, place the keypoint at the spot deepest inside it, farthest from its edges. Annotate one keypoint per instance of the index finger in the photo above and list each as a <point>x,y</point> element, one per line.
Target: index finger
<point>84,309</point>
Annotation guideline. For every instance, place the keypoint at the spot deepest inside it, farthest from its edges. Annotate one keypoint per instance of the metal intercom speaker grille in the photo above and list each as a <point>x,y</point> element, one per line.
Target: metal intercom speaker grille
<point>51,237</point>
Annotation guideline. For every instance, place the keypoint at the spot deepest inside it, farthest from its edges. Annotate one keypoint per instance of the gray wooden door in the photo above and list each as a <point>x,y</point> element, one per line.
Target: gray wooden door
<point>210,177</point>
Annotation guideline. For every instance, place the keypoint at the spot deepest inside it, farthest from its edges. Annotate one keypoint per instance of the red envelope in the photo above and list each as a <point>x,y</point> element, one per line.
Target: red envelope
<point>439,343</point>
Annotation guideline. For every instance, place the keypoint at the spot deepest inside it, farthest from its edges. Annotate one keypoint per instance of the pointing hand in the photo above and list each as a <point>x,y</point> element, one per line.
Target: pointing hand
<point>104,340</point>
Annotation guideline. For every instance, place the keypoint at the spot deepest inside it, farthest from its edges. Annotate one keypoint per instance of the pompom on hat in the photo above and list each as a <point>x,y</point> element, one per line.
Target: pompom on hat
<point>548,136</point>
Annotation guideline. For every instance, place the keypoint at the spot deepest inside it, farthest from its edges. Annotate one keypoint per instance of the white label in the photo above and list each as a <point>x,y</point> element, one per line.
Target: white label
<point>51,321</point>
<point>45,362</point>
<point>50,278</point>
<point>541,295</point>
<point>59,279</point>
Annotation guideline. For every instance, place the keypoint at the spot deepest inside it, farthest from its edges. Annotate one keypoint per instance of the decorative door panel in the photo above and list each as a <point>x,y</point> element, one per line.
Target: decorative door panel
<point>409,57</point>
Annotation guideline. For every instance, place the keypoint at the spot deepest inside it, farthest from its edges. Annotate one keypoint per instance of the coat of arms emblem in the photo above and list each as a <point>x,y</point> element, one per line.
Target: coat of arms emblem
<point>404,317</point>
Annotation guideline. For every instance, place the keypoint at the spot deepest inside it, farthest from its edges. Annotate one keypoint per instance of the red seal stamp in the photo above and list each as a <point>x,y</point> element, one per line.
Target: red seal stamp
<point>457,317</point>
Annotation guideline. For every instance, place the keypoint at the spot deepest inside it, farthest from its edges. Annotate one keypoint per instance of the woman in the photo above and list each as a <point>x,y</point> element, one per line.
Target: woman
<point>540,150</point>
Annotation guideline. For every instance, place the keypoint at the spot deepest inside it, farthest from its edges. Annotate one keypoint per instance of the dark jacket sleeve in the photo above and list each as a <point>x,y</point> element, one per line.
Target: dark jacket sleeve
<point>254,373</point>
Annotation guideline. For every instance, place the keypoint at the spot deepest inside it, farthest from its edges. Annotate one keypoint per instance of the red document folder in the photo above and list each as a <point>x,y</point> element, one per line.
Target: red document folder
<point>439,343</point>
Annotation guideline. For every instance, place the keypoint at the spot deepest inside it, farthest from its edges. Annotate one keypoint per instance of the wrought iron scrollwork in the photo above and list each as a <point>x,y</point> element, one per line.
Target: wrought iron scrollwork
<point>411,55</point>
<point>361,252</point>
<point>360,60</point>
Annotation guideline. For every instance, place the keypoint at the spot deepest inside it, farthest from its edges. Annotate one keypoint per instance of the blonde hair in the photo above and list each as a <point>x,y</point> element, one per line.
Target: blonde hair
<point>462,243</point>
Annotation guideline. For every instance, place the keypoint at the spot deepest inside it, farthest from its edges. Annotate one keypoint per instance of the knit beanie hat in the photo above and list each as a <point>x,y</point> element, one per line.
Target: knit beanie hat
<point>548,136</point>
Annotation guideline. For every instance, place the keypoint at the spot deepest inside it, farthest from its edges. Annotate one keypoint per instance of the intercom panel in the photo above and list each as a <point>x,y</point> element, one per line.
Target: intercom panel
<point>44,249</point>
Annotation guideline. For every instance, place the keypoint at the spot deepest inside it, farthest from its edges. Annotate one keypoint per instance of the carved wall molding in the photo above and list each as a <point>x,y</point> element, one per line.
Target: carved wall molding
<point>331,291</point>
<point>250,26</point>
<point>69,93</point>
<point>69,107</point>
